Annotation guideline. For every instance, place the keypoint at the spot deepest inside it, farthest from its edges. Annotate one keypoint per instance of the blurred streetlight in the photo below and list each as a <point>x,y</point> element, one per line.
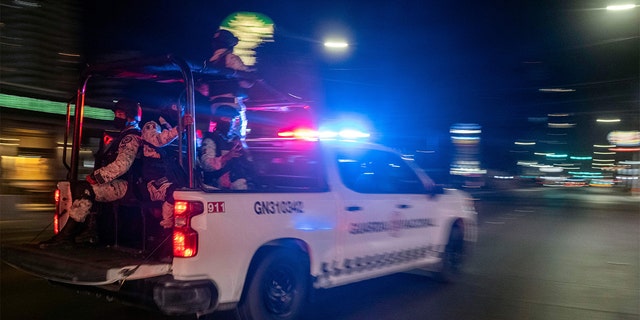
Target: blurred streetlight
<point>336,50</point>
<point>620,7</point>
<point>336,44</point>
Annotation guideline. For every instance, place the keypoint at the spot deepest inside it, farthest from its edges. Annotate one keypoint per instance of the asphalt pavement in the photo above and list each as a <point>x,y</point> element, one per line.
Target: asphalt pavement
<point>542,254</point>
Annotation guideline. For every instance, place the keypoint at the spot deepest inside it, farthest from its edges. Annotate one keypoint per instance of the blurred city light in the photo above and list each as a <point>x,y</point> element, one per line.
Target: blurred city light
<point>556,90</point>
<point>607,120</point>
<point>561,125</point>
<point>553,155</point>
<point>465,129</point>
<point>252,30</point>
<point>624,138</point>
<point>551,169</point>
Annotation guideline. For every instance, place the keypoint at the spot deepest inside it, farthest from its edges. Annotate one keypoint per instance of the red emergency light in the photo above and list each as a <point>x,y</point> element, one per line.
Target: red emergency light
<point>299,133</point>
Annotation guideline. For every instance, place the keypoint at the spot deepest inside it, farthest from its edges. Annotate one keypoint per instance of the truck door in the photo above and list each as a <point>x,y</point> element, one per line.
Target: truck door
<point>386,214</point>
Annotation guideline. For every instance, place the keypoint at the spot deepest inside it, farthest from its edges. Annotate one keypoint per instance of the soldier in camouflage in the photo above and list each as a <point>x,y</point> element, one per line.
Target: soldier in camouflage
<point>112,176</point>
<point>159,179</point>
<point>225,163</point>
<point>227,93</point>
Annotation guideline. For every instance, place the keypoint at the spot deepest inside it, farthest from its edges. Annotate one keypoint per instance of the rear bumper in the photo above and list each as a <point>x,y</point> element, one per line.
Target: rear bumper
<point>163,294</point>
<point>175,297</point>
<point>82,265</point>
<point>88,269</point>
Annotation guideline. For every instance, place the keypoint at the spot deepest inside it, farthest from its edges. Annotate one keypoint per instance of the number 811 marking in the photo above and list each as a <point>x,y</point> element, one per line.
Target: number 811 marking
<point>215,207</point>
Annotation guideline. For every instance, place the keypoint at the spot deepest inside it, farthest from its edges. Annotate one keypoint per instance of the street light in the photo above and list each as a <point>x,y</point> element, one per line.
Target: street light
<point>336,44</point>
<point>620,7</point>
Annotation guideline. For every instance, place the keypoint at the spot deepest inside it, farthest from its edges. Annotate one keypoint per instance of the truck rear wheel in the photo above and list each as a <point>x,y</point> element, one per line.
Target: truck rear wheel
<point>278,288</point>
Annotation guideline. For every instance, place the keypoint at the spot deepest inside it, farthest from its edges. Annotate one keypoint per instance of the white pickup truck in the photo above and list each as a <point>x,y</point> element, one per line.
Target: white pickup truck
<point>319,214</point>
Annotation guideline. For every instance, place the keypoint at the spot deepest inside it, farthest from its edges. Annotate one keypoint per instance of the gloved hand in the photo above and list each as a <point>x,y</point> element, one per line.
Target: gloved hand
<point>164,123</point>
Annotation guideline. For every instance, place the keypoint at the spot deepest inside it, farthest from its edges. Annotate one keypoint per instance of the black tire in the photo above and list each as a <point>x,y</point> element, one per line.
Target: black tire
<point>278,288</point>
<point>453,257</point>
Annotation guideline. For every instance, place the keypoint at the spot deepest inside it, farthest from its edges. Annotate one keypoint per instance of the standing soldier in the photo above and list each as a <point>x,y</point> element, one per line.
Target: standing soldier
<point>110,181</point>
<point>228,92</point>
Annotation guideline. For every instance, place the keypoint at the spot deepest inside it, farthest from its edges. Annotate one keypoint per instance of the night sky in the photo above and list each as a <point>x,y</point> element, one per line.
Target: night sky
<point>466,57</point>
<point>413,67</point>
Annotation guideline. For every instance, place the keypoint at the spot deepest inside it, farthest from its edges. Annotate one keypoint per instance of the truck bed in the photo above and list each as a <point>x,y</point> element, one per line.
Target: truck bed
<point>83,265</point>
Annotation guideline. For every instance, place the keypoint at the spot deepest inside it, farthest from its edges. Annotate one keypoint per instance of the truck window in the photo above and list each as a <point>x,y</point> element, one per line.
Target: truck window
<point>288,171</point>
<point>376,171</point>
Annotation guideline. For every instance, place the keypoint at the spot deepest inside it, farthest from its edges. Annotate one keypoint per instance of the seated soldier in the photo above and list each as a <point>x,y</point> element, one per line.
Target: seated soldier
<point>160,172</point>
<point>110,181</point>
<point>223,159</point>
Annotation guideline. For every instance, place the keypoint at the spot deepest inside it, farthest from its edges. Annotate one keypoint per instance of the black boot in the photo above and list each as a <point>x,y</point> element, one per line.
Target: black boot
<point>66,236</point>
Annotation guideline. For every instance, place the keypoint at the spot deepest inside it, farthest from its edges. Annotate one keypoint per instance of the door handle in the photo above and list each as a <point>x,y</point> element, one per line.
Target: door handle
<point>354,208</point>
<point>403,206</point>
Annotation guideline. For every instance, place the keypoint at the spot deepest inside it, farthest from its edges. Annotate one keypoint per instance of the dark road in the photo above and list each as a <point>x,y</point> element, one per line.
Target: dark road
<point>541,254</point>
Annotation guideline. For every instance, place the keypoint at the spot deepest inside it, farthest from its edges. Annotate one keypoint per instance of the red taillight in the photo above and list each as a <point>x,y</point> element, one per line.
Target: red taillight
<point>185,242</point>
<point>185,239</point>
<point>56,219</point>
<point>56,224</point>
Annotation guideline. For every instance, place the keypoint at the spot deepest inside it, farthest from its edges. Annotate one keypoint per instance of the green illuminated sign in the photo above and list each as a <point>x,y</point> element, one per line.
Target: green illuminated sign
<point>46,106</point>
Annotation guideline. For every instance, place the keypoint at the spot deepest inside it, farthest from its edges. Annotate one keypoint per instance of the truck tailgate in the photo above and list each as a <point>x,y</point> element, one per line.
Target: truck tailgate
<point>82,265</point>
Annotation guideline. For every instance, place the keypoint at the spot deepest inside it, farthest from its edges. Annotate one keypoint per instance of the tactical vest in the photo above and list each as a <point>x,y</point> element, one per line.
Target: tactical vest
<point>111,153</point>
<point>105,157</point>
<point>168,166</point>
<point>154,168</point>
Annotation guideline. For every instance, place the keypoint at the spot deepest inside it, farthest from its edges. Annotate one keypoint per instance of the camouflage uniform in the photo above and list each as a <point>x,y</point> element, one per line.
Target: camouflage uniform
<point>158,186</point>
<point>218,171</point>
<point>111,181</point>
<point>227,93</point>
